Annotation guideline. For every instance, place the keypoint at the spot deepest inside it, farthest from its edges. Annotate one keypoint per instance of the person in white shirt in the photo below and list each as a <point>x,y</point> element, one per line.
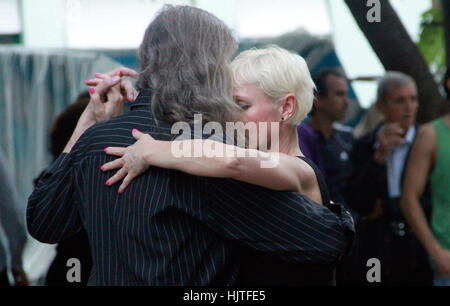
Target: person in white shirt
<point>378,162</point>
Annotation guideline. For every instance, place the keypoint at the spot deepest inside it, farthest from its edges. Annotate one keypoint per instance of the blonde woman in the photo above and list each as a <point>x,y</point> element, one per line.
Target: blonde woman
<point>271,85</point>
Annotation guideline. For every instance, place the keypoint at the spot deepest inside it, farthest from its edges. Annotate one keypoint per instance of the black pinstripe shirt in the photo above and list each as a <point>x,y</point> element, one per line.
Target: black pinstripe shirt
<point>171,228</point>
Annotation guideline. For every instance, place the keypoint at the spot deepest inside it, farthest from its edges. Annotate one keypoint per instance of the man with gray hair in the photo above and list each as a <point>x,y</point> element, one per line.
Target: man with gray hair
<point>374,190</point>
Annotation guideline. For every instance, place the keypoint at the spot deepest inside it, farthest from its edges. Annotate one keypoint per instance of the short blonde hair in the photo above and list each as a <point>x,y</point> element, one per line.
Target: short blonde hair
<point>278,72</point>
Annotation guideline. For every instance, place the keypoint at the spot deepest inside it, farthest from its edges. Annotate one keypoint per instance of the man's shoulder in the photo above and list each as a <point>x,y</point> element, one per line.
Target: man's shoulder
<point>117,131</point>
<point>371,136</point>
<point>366,142</point>
<point>126,120</point>
<point>304,127</point>
<point>343,134</point>
<point>343,129</point>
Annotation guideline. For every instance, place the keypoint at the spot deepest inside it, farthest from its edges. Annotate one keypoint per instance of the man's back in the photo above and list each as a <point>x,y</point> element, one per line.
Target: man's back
<point>151,234</point>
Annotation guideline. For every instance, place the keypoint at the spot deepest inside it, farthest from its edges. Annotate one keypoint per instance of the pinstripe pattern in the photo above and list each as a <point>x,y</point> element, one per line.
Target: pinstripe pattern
<point>171,228</point>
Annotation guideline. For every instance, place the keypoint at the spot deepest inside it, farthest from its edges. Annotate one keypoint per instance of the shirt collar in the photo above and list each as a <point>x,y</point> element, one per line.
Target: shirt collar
<point>409,137</point>
<point>143,102</point>
<point>143,99</point>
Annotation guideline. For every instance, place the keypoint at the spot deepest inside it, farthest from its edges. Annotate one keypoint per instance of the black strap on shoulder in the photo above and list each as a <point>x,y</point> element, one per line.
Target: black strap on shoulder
<point>322,185</point>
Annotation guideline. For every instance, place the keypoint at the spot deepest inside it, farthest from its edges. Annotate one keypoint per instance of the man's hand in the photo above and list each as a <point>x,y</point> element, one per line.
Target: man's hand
<point>20,278</point>
<point>390,136</point>
<point>441,259</point>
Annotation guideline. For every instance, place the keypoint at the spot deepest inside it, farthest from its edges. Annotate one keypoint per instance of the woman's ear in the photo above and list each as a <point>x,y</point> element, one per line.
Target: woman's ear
<point>288,107</point>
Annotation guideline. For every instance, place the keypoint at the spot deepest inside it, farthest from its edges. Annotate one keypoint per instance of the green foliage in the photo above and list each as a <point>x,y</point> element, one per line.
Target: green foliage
<point>431,40</point>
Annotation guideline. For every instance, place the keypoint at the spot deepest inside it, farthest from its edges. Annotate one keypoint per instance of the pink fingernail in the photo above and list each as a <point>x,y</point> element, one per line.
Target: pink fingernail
<point>102,168</point>
<point>92,90</point>
<point>119,192</point>
<point>106,150</point>
<point>98,74</point>
<point>135,130</point>
<point>107,182</point>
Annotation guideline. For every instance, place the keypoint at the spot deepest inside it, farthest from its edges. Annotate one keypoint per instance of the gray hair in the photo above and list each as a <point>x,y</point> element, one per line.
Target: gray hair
<point>184,58</point>
<point>392,79</point>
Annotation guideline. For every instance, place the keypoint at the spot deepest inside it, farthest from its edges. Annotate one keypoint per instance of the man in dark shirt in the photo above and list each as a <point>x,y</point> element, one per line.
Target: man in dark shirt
<point>334,141</point>
<point>172,228</point>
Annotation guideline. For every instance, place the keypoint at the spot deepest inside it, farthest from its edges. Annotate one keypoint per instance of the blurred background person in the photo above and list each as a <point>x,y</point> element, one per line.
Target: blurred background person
<point>370,121</point>
<point>375,187</point>
<point>329,144</point>
<point>76,246</point>
<point>309,144</point>
<point>334,141</point>
<point>12,224</point>
<point>430,159</point>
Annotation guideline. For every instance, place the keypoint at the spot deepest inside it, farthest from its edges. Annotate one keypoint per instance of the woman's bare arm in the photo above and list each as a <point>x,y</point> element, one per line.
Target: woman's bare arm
<point>204,157</point>
<point>419,167</point>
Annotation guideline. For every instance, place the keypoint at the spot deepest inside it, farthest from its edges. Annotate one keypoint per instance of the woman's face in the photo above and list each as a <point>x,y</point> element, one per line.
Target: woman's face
<point>256,107</point>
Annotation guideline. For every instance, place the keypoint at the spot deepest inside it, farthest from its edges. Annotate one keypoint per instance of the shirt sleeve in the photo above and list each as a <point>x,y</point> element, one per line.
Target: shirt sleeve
<point>11,216</point>
<point>286,225</point>
<point>52,212</point>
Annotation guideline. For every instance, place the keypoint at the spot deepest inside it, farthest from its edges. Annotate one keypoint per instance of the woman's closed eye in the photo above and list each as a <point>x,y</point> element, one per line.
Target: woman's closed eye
<point>243,105</point>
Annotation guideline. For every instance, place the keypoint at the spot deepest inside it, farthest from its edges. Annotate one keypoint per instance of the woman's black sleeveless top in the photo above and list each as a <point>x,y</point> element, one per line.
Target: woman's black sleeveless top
<point>259,269</point>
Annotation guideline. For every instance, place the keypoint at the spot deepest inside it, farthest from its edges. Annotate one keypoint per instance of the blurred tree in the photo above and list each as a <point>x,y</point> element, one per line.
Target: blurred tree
<point>434,39</point>
<point>396,51</point>
<point>446,24</point>
<point>431,39</point>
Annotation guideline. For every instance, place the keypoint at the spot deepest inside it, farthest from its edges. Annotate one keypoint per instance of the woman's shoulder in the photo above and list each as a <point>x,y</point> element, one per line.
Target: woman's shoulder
<point>309,177</point>
<point>307,166</point>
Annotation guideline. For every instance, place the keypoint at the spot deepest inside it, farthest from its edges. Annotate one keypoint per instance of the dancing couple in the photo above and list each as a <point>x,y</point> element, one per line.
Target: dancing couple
<point>220,219</point>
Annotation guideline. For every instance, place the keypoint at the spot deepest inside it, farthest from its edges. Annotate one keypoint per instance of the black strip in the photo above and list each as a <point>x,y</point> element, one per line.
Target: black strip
<point>322,185</point>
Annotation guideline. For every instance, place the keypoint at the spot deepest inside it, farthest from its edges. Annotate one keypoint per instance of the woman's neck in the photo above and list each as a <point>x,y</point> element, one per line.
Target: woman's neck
<point>289,141</point>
